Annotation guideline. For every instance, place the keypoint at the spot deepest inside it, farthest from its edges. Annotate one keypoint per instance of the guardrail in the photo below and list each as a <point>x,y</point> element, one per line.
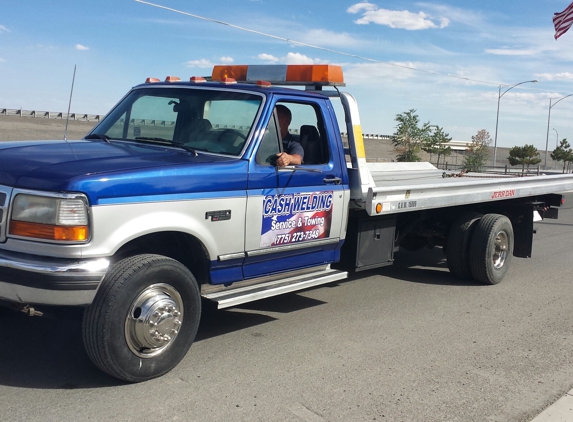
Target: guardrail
<point>370,136</point>
<point>50,114</point>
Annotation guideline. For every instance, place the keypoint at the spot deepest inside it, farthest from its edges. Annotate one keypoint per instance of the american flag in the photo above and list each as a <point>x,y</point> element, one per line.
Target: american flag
<point>562,21</point>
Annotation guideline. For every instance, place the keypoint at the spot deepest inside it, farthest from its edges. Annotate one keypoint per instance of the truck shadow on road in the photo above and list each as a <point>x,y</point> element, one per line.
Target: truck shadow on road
<point>424,266</point>
<point>218,322</point>
<point>48,353</point>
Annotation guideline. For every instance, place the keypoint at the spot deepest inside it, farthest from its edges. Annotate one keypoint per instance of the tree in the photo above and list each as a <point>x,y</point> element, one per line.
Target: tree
<point>525,156</point>
<point>409,136</point>
<point>436,143</point>
<point>477,153</point>
<point>563,153</point>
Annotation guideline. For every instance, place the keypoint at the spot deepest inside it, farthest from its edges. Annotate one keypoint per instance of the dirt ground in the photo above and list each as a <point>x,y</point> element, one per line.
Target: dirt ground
<point>16,128</point>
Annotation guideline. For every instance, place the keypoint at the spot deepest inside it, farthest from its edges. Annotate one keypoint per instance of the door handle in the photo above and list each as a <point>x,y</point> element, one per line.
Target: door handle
<point>332,180</point>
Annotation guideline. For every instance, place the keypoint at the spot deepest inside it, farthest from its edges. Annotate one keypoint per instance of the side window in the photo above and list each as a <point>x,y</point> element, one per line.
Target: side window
<point>270,146</point>
<point>307,127</point>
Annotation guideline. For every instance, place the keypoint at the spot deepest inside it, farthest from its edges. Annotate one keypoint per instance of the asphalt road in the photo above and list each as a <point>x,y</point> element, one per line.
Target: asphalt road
<point>402,343</point>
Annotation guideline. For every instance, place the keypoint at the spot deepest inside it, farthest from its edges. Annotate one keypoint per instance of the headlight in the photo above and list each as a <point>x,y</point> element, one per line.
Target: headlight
<point>49,218</point>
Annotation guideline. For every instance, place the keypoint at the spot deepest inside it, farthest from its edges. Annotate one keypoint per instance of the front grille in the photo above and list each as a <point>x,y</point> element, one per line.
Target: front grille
<point>4,203</point>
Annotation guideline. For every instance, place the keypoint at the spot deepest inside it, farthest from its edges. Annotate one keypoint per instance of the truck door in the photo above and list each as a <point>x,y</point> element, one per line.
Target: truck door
<point>296,215</point>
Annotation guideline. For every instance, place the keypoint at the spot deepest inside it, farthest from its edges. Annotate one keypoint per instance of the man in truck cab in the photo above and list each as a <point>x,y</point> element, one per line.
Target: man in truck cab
<point>293,152</point>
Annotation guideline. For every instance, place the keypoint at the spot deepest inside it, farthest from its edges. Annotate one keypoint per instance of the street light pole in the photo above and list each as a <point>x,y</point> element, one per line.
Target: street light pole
<point>556,137</point>
<point>548,120</point>
<point>499,95</point>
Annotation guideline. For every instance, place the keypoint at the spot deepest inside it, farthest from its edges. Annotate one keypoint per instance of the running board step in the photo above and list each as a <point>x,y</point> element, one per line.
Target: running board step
<point>234,296</point>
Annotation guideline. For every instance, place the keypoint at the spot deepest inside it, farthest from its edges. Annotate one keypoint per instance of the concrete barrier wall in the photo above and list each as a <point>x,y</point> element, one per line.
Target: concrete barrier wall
<point>50,114</point>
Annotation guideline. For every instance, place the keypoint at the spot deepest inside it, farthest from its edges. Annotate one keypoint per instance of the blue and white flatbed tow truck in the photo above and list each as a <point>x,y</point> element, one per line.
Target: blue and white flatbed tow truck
<point>174,199</point>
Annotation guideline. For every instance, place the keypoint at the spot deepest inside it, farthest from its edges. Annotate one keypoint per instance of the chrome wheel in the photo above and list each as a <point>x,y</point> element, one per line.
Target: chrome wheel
<point>491,248</point>
<point>143,319</point>
<point>501,246</point>
<point>154,320</point>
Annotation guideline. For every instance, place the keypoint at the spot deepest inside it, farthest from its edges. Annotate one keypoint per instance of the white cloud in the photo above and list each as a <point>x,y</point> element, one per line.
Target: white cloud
<point>366,73</point>
<point>291,58</point>
<point>510,52</point>
<point>358,7</point>
<point>401,19</point>
<point>297,58</point>
<point>81,47</point>
<point>2,60</point>
<point>201,63</point>
<point>467,17</point>
<point>563,76</point>
<point>268,58</point>
<point>3,29</point>
<point>226,59</point>
<point>325,37</point>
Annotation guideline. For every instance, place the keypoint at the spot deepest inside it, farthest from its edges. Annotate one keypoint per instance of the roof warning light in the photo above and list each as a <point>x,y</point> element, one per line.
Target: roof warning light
<point>298,74</point>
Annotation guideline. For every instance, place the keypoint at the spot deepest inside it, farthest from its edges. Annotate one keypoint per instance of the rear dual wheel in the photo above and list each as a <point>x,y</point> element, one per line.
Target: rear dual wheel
<point>144,318</point>
<point>458,244</point>
<point>480,247</point>
<point>491,249</point>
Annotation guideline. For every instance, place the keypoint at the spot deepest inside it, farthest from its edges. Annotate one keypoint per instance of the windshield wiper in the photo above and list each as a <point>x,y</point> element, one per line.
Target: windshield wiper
<point>149,138</point>
<point>97,136</point>
<point>152,140</point>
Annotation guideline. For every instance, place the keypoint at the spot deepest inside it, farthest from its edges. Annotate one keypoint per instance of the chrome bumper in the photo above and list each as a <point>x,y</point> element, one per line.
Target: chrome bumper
<point>49,281</point>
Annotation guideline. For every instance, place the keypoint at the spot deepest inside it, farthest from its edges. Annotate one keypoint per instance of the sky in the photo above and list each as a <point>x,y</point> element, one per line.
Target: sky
<point>445,59</point>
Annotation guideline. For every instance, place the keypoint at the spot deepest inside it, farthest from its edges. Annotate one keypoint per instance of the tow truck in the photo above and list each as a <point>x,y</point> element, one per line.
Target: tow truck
<point>175,200</point>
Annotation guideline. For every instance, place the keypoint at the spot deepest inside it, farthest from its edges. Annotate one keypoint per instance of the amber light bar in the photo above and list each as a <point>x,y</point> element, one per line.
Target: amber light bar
<point>49,231</point>
<point>297,74</point>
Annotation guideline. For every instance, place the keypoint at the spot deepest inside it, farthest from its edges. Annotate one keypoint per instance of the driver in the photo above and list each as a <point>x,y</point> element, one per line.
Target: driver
<point>292,150</point>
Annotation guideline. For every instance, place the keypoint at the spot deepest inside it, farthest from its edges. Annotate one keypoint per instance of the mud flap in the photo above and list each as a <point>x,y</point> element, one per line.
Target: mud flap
<point>522,222</point>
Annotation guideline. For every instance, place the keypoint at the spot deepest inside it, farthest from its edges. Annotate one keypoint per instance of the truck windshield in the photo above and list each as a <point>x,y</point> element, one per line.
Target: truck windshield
<point>209,120</point>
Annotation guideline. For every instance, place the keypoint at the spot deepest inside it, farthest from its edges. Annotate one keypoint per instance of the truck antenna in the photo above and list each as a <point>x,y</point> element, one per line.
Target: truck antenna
<point>69,105</point>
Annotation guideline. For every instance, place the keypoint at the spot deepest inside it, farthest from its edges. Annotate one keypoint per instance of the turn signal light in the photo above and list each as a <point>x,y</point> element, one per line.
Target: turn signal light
<point>49,231</point>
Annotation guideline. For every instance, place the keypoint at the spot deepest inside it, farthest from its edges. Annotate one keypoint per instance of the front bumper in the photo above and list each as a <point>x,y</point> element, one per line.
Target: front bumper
<point>30,279</point>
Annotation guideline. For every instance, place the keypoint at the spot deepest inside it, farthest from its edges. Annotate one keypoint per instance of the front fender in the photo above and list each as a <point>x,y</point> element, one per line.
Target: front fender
<point>116,225</point>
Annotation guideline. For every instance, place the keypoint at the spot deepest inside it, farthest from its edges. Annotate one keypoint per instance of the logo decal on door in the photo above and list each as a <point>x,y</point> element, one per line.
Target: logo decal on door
<point>297,217</point>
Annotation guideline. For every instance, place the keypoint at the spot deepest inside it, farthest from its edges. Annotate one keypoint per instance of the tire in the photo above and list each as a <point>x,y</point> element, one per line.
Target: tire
<point>491,249</point>
<point>458,244</point>
<point>5,312</point>
<point>144,318</point>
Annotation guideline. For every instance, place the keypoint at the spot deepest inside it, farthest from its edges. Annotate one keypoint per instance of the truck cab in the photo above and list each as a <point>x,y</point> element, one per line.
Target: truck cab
<point>180,178</point>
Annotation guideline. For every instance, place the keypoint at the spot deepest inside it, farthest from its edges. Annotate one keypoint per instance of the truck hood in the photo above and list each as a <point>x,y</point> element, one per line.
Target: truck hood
<point>116,166</point>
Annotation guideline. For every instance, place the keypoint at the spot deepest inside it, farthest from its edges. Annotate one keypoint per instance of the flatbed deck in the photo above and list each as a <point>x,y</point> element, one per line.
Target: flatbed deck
<point>404,187</point>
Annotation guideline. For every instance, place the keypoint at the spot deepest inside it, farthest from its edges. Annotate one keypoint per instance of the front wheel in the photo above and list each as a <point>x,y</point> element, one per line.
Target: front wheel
<point>491,248</point>
<point>144,318</point>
